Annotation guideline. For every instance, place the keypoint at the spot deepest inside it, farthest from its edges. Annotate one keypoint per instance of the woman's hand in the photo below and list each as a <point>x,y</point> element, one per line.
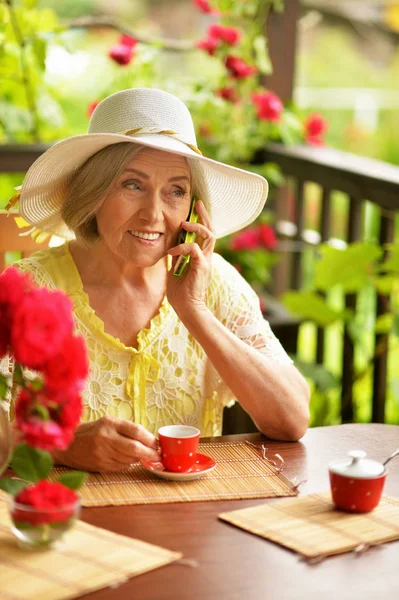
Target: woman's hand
<point>108,444</point>
<point>187,292</point>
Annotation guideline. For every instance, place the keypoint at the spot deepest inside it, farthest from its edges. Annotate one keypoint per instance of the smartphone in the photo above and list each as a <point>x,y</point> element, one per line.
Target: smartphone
<point>186,237</point>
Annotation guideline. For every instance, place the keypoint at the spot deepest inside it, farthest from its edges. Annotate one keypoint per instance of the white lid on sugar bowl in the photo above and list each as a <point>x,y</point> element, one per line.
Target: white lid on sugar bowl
<point>358,466</point>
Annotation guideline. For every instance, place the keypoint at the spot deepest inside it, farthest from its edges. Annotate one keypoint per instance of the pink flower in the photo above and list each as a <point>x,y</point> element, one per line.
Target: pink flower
<point>267,236</point>
<point>261,236</point>
<point>54,503</point>
<point>238,68</point>
<point>121,54</point>
<point>245,240</point>
<point>91,108</point>
<point>205,7</point>
<point>40,325</point>
<point>315,128</point>
<point>269,106</point>
<point>209,45</point>
<point>127,40</point>
<point>228,93</point>
<point>228,35</point>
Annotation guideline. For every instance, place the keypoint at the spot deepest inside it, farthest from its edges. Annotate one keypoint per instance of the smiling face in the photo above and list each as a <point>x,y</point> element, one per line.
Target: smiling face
<point>141,216</point>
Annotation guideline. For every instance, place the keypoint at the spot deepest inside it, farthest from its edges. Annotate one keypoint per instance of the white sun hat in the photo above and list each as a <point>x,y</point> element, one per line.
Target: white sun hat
<point>152,118</point>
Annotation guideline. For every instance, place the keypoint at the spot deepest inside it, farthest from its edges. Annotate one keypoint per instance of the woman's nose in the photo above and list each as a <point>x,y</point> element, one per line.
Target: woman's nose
<point>151,209</point>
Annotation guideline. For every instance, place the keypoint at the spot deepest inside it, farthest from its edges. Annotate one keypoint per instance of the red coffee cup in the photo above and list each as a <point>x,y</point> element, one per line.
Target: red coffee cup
<point>179,444</point>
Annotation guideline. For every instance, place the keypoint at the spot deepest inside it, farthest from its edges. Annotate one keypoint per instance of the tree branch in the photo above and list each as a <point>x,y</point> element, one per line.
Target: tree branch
<point>97,22</point>
<point>30,97</point>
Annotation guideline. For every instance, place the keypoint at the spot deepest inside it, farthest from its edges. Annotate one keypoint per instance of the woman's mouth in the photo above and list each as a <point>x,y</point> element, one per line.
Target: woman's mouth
<point>146,237</point>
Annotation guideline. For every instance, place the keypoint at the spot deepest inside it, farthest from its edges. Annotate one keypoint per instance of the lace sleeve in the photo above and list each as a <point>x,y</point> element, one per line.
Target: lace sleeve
<point>6,368</point>
<point>38,272</point>
<point>239,310</point>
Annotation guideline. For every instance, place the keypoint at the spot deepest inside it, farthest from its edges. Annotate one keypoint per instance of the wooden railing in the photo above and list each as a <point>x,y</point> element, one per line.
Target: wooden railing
<point>361,180</point>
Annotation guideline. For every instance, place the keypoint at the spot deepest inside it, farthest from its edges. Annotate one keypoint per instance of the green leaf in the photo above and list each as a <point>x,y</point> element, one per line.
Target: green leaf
<point>30,3</point>
<point>351,268</point>
<point>12,485</point>
<point>37,384</point>
<point>324,380</point>
<point>18,375</point>
<point>395,325</point>
<point>262,58</point>
<point>385,283</point>
<point>391,263</point>
<point>39,49</point>
<point>383,323</point>
<point>73,479</point>
<point>311,306</point>
<point>30,463</point>
<point>3,386</point>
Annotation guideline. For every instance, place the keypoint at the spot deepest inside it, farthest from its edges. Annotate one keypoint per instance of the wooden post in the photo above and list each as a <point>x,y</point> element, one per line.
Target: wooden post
<point>281,32</point>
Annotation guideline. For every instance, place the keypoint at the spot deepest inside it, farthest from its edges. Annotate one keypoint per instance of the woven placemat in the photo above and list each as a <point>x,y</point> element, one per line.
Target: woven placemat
<point>90,558</point>
<point>314,528</point>
<point>240,472</point>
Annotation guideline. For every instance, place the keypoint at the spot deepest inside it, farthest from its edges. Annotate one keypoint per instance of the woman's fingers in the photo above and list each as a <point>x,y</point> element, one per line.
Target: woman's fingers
<point>203,215</point>
<point>136,432</point>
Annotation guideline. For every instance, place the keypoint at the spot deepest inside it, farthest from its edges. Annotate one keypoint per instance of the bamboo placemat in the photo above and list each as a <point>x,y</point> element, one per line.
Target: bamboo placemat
<point>240,472</point>
<point>90,558</point>
<point>314,528</point>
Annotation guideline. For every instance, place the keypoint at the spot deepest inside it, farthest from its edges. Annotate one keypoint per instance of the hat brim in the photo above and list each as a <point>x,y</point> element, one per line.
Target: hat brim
<point>233,196</point>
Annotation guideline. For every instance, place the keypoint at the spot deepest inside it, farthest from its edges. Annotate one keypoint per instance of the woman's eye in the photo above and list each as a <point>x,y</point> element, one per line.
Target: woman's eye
<point>132,185</point>
<point>178,192</point>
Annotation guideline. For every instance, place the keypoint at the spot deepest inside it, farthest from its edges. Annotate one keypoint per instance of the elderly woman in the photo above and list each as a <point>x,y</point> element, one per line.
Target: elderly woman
<point>163,349</point>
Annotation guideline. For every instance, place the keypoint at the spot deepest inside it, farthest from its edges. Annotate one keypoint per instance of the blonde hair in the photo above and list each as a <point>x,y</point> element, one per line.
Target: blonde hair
<point>89,187</point>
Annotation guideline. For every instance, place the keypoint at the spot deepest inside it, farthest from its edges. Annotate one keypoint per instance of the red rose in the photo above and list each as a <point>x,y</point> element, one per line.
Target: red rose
<point>269,106</point>
<point>209,45</point>
<point>68,369</point>
<point>91,108</point>
<point>315,140</point>
<point>228,35</point>
<point>315,128</point>
<point>315,125</point>
<point>53,503</point>
<point>40,325</point>
<point>121,54</point>
<point>47,420</point>
<point>5,333</point>
<point>228,93</point>
<point>205,7</point>
<point>238,68</point>
<point>127,40</point>
<point>70,413</point>
<point>267,236</point>
<point>246,240</point>
<point>14,286</point>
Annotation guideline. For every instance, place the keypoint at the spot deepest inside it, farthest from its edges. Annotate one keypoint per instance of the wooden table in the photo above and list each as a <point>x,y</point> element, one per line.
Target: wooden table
<point>236,565</point>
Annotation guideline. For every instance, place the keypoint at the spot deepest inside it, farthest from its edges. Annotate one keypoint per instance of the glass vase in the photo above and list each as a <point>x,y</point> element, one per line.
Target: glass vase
<point>44,528</point>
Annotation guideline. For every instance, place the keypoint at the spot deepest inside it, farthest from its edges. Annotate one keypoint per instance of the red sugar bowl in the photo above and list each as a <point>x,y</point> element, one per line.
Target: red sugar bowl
<point>357,482</point>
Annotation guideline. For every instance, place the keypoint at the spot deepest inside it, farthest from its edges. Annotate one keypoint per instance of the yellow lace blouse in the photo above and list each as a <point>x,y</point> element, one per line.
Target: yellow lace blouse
<point>168,378</point>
